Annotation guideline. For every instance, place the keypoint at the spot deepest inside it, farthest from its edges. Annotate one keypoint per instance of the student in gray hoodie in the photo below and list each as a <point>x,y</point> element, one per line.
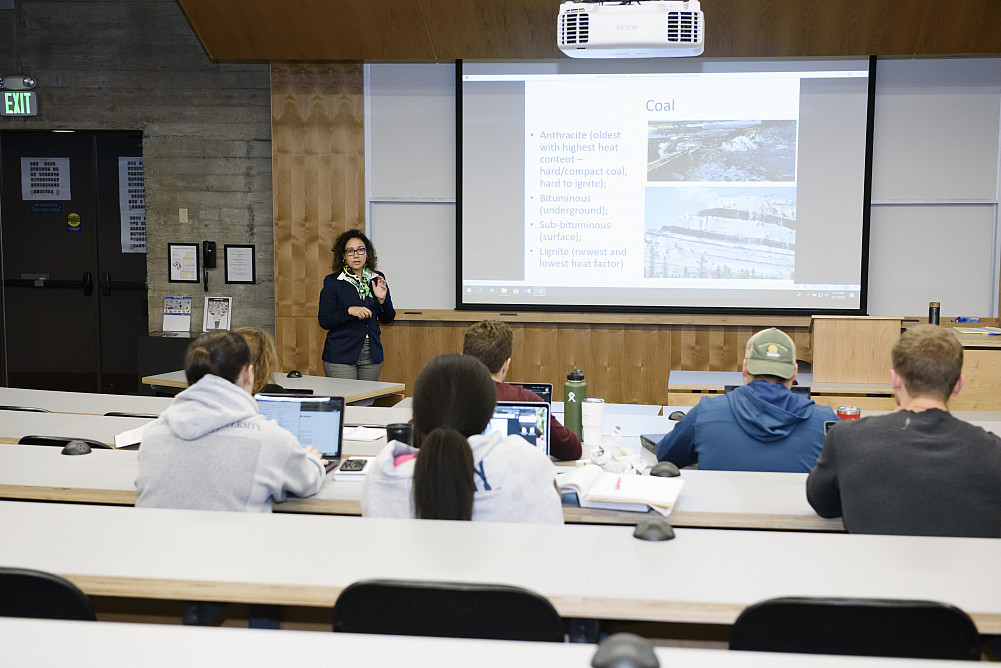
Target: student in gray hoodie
<point>212,449</point>
<point>459,473</point>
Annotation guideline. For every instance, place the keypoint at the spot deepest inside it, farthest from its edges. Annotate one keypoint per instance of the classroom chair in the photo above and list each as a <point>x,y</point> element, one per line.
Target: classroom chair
<point>26,409</point>
<point>151,416</point>
<point>30,593</point>
<point>446,609</point>
<point>864,627</point>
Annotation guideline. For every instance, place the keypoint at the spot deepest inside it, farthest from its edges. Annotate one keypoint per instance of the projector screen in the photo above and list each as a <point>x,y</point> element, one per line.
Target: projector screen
<point>667,185</point>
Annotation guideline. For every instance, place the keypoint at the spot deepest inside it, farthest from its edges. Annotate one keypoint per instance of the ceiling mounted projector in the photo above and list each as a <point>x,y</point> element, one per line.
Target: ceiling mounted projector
<point>631,29</point>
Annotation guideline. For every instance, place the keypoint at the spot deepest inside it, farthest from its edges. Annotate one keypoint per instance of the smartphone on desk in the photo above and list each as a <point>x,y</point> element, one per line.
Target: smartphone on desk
<point>352,466</point>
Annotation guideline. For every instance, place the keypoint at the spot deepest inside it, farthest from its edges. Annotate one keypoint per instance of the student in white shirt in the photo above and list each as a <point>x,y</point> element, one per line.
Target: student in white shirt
<point>458,473</point>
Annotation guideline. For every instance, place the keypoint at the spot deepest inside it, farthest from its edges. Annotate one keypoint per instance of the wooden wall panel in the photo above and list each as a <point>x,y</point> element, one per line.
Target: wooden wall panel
<point>318,150</point>
<point>623,362</point>
<point>318,30</point>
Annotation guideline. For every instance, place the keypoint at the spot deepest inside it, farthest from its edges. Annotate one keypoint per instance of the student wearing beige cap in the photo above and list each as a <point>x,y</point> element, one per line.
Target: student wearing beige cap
<point>760,426</point>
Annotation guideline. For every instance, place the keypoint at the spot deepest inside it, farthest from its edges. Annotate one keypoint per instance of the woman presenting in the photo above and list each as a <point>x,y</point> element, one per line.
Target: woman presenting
<point>354,299</point>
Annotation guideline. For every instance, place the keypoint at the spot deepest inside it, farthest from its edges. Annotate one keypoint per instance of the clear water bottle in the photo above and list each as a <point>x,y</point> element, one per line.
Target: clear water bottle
<point>574,394</point>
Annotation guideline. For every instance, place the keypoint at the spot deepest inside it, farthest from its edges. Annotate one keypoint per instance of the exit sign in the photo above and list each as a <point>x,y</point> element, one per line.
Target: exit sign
<point>18,103</point>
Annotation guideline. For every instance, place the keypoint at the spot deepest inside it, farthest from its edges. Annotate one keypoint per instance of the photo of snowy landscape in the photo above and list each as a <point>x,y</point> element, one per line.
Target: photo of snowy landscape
<point>720,233</point>
<point>722,151</point>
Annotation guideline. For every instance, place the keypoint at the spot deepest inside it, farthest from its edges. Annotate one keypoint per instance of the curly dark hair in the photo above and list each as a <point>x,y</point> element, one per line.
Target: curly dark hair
<point>338,250</point>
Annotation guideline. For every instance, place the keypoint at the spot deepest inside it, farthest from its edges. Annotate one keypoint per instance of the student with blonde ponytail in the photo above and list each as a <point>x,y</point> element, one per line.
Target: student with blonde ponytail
<point>458,473</point>
<point>212,449</point>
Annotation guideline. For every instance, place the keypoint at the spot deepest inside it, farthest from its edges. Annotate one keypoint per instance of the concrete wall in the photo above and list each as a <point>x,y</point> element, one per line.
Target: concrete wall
<point>137,65</point>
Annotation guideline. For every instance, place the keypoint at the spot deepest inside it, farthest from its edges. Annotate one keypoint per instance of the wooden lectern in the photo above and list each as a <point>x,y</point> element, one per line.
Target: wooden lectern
<point>853,349</point>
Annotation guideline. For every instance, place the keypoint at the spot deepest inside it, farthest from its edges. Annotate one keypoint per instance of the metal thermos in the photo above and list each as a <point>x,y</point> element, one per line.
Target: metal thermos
<point>574,393</point>
<point>933,310</point>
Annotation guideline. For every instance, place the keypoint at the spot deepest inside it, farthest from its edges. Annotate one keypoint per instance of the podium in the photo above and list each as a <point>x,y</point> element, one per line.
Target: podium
<point>982,369</point>
<point>851,360</point>
<point>853,349</point>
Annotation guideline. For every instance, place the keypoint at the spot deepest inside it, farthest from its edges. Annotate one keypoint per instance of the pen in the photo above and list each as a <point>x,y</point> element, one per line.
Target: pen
<point>618,482</point>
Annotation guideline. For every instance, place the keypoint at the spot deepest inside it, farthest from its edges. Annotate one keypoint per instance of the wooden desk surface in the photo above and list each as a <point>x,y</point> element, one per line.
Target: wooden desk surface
<point>689,381</point>
<point>28,642</point>
<point>15,424</point>
<point>82,402</point>
<point>977,340</point>
<point>702,576</point>
<point>618,409</point>
<point>351,390</point>
<point>716,499</point>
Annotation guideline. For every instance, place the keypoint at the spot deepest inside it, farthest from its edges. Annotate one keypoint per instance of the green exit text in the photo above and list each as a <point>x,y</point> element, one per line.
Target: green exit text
<point>18,103</point>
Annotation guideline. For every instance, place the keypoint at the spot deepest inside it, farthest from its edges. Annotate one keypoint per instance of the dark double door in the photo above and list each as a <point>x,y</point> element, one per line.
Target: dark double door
<point>73,303</point>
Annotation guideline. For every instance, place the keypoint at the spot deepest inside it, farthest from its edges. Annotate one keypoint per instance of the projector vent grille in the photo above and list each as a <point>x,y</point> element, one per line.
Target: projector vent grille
<point>573,28</point>
<point>684,27</point>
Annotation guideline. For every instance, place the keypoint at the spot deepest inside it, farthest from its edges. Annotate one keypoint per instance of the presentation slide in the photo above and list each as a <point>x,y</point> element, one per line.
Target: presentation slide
<point>715,185</point>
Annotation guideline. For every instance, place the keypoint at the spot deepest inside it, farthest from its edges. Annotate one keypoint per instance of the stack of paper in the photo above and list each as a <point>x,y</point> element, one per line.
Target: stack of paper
<point>596,488</point>
<point>364,433</point>
<point>989,331</point>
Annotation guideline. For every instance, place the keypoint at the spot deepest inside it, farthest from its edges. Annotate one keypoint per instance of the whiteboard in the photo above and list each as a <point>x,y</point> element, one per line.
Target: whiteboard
<point>416,244</point>
<point>933,228</point>
<point>935,135</point>
<point>410,127</point>
<point>926,253</point>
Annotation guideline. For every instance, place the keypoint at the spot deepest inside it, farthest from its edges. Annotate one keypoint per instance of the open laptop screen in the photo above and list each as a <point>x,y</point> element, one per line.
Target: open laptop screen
<point>544,390</point>
<point>530,420</point>
<point>314,420</point>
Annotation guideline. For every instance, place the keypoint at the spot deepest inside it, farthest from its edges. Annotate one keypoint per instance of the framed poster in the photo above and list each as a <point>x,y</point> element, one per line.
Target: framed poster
<point>218,313</point>
<point>240,264</point>
<point>183,263</point>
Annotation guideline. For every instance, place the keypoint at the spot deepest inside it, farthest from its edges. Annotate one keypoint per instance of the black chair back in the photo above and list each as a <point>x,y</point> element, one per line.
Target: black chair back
<point>127,414</point>
<point>60,441</point>
<point>30,593</point>
<point>446,609</point>
<point>26,409</point>
<point>865,627</point>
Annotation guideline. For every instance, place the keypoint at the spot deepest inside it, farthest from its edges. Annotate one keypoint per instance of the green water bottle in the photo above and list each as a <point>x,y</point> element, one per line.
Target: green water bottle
<point>574,393</point>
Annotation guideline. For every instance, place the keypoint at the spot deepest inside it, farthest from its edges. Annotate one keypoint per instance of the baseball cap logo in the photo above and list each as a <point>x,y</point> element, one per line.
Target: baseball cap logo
<point>773,350</point>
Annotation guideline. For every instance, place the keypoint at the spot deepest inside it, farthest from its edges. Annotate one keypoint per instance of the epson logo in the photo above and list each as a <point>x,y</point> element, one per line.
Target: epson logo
<point>629,26</point>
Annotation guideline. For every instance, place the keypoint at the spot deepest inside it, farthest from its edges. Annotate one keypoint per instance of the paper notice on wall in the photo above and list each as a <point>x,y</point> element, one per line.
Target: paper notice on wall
<point>183,262</point>
<point>132,204</point>
<point>176,314</point>
<point>45,179</point>
<point>218,311</point>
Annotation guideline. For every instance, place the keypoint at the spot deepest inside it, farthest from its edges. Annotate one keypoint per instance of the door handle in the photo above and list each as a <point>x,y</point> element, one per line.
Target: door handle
<point>43,281</point>
<point>107,285</point>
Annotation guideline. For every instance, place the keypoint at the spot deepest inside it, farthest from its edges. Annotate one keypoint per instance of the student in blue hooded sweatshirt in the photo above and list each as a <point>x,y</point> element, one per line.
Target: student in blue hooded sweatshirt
<point>760,426</point>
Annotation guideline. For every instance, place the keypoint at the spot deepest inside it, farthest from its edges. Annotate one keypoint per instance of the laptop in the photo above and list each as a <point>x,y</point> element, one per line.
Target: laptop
<point>650,441</point>
<point>314,420</point>
<point>528,419</point>
<point>544,390</point>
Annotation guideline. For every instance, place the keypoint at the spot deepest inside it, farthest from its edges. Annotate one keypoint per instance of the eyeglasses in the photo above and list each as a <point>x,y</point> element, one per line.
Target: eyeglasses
<point>355,251</point>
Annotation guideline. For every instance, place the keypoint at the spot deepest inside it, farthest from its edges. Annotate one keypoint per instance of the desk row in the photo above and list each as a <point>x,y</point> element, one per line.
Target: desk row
<point>28,642</point>
<point>723,499</point>
<point>597,572</point>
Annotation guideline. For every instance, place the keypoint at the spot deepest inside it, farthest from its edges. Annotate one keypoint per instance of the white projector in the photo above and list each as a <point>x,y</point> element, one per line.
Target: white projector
<point>636,29</point>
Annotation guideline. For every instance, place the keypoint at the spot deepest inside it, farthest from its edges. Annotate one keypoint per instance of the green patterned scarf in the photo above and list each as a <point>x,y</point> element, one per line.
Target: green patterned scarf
<point>363,284</point>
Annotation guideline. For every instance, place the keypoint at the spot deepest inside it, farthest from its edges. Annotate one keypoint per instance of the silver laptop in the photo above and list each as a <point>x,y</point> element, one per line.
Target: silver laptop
<point>314,420</point>
<point>528,419</point>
